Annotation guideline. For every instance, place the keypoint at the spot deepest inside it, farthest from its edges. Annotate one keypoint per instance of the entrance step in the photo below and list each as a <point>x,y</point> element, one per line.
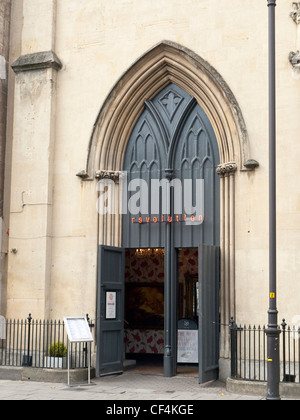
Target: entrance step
<point>129,364</point>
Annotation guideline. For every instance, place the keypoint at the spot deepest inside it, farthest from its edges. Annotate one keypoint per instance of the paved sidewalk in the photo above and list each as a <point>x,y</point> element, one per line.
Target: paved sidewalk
<point>126,387</point>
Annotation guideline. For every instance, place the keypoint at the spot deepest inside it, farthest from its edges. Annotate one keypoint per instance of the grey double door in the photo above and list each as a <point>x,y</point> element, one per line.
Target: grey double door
<point>110,328</point>
<point>110,311</point>
<point>172,142</point>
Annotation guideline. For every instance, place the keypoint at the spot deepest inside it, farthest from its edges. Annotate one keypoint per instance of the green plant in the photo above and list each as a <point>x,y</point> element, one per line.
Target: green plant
<point>58,350</point>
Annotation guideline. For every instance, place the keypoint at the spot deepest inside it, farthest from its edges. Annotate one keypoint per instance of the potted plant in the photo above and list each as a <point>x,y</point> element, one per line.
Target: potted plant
<point>57,356</point>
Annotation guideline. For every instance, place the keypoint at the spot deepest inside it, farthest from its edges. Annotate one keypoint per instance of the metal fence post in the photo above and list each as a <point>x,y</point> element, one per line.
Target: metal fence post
<point>29,362</point>
<point>284,325</point>
<point>233,336</point>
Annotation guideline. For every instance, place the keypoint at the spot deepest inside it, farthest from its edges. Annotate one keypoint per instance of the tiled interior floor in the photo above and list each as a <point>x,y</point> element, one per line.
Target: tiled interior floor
<point>153,365</point>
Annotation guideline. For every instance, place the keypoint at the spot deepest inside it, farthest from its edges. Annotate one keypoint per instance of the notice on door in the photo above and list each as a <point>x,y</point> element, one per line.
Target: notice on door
<point>188,346</point>
<point>111,305</point>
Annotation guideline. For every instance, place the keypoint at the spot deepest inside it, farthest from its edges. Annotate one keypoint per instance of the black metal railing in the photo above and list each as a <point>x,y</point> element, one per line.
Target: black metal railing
<point>249,353</point>
<point>39,344</point>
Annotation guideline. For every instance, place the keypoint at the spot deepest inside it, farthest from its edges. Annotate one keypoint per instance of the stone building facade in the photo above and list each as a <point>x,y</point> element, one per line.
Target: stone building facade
<point>80,74</point>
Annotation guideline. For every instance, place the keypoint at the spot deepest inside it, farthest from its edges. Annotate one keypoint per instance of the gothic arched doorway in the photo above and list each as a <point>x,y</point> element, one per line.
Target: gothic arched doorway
<point>171,194</point>
<point>167,64</point>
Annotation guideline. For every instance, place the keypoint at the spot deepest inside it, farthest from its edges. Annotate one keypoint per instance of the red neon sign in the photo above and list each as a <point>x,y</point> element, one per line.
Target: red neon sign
<point>167,219</point>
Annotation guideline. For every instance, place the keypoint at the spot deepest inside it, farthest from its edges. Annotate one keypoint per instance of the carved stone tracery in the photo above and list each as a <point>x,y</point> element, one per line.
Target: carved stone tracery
<point>295,14</point>
<point>112,175</point>
<point>226,169</point>
<point>294,57</point>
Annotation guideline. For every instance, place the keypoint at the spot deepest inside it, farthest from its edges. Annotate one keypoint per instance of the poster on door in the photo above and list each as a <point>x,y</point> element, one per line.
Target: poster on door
<point>188,346</point>
<point>111,305</point>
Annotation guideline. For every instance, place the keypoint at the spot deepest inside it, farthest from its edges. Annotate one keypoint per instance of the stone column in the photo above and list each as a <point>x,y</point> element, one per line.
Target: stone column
<point>29,265</point>
<point>227,226</point>
<point>110,223</point>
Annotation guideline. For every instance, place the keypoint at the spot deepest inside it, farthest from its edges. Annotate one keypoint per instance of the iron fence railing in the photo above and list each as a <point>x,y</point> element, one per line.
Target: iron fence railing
<point>249,353</point>
<point>39,344</point>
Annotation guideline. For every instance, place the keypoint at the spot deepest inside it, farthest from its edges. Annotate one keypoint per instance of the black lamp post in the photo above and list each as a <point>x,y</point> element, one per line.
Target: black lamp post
<point>273,332</point>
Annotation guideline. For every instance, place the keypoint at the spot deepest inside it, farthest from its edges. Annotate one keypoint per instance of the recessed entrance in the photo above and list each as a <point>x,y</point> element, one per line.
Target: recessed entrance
<point>145,310</point>
<point>145,306</point>
<point>171,216</point>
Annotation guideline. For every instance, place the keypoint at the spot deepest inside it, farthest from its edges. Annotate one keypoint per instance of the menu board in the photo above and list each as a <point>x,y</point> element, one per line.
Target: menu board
<point>188,346</point>
<point>78,330</point>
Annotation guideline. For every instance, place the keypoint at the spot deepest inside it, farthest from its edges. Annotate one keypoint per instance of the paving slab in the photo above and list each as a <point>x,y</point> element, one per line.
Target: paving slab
<point>127,387</point>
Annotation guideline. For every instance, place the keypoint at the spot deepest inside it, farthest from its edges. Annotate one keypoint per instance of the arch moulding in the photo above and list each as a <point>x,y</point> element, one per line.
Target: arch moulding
<point>171,63</point>
<point>167,63</point>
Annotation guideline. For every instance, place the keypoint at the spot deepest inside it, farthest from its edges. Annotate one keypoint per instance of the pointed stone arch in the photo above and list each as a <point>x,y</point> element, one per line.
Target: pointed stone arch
<point>164,64</point>
<point>167,63</point>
